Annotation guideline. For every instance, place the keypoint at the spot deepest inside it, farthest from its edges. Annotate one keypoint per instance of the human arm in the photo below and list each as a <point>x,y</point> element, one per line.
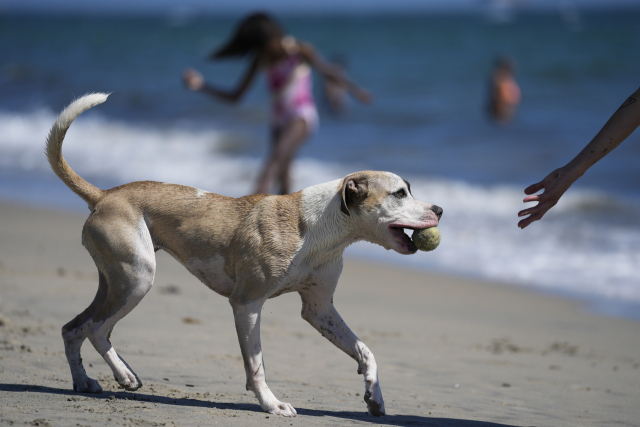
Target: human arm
<point>195,82</point>
<point>333,73</point>
<point>621,124</point>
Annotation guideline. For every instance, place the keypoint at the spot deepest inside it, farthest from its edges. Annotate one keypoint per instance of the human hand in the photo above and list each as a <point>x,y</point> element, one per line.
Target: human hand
<point>363,96</point>
<point>554,185</point>
<point>193,79</point>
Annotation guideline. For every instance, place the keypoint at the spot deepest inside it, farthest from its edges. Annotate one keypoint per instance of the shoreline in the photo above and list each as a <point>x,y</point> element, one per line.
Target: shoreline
<point>597,304</point>
<point>594,304</point>
<point>450,351</point>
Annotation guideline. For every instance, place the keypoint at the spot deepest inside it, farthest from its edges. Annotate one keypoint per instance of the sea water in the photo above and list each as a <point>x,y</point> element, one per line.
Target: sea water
<point>428,75</point>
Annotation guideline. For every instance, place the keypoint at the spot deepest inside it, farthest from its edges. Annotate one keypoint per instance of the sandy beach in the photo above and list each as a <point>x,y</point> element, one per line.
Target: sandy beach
<point>450,351</point>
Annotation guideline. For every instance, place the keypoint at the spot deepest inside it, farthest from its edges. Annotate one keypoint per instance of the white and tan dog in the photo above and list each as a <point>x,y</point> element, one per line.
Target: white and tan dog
<point>247,249</point>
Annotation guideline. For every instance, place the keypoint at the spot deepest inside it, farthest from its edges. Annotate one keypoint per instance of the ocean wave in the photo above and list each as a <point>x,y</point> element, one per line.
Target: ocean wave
<point>589,244</point>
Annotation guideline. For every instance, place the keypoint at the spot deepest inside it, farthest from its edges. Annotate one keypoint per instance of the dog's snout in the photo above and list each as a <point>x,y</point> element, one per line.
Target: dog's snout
<point>437,210</point>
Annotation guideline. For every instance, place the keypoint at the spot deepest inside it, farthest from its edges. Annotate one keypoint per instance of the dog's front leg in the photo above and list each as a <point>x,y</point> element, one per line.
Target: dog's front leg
<point>318,309</point>
<point>247,318</point>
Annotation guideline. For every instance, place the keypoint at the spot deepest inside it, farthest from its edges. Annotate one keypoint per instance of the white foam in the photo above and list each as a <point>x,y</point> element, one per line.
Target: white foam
<point>585,245</point>
<point>568,252</point>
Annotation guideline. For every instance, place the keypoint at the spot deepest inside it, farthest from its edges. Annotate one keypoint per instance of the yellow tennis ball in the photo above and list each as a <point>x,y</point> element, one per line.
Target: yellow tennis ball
<point>426,239</point>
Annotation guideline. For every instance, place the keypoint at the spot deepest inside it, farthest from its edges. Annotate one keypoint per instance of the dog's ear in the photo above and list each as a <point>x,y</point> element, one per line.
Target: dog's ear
<point>354,190</point>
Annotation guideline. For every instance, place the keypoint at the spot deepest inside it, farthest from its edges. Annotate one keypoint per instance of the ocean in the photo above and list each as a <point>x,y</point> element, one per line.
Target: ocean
<point>428,75</point>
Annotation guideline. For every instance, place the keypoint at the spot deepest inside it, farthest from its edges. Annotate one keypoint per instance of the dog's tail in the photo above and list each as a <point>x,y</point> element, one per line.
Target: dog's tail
<point>89,192</point>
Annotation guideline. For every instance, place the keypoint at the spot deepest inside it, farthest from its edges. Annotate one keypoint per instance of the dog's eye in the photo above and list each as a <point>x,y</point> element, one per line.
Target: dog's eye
<point>401,193</point>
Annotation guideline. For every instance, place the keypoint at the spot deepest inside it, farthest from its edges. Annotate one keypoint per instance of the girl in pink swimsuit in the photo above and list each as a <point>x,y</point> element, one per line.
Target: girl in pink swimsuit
<point>288,64</point>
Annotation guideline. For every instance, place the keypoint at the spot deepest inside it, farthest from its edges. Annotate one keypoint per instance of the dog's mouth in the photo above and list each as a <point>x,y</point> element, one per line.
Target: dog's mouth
<point>399,235</point>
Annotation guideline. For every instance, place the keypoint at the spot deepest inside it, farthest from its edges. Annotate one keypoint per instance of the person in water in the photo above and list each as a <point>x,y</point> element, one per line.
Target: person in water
<point>504,95</point>
<point>621,124</point>
<point>288,64</point>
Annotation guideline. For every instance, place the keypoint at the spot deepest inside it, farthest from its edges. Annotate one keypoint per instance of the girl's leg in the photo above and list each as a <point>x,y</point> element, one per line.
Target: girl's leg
<point>264,179</point>
<point>285,143</point>
<point>284,175</point>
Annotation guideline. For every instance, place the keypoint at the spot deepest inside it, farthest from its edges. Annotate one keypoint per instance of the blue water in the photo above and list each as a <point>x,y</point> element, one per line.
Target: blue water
<point>428,75</point>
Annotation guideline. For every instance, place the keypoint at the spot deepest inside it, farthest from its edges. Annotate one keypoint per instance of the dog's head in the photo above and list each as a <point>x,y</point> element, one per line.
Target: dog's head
<point>381,206</point>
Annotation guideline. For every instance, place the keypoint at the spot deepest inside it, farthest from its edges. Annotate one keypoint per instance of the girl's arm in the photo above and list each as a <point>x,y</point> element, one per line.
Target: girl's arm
<point>194,81</point>
<point>621,124</point>
<point>328,71</point>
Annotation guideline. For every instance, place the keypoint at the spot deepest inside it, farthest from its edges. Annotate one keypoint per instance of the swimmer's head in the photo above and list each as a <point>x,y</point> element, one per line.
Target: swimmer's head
<point>504,64</point>
<point>251,35</point>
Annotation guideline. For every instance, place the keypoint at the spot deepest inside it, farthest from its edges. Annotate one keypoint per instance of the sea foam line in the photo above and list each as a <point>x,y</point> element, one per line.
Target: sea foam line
<point>586,245</point>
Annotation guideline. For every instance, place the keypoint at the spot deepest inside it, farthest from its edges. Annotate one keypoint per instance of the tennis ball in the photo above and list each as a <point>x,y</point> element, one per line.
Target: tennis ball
<point>426,239</point>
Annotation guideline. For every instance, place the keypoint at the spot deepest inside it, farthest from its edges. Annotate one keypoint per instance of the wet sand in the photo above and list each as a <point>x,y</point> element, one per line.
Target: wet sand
<point>450,351</point>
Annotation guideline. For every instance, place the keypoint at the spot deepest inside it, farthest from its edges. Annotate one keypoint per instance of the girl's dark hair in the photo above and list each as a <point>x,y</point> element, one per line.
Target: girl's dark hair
<point>252,34</point>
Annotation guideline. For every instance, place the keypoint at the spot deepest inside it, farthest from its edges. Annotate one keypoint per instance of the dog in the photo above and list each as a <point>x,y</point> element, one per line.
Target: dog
<point>247,249</point>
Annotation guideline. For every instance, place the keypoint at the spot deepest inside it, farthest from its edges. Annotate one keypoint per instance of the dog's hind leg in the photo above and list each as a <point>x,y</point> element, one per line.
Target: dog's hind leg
<point>318,310</point>
<point>73,337</point>
<point>126,258</point>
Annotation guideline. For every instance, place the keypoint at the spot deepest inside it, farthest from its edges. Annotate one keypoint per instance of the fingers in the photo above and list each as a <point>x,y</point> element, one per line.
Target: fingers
<point>534,188</point>
<point>526,212</point>
<point>536,198</point>
<point>362,95</point>
<point>365,97</point>
<point>536,212</point>
<point>543,203</point>
<point>554,185</point>
<point>525,222</point>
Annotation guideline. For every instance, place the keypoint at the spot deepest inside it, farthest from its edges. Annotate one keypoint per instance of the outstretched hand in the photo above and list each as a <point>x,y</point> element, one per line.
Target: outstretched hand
<point>554,185</point>
<point>363,96</point>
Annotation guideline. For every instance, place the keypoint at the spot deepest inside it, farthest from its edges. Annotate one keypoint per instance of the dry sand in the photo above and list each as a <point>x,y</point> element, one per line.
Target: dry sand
<point>450,351</point>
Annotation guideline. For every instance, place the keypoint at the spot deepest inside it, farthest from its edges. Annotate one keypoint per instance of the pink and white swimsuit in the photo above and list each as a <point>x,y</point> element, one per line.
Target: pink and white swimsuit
<point>290,84</point>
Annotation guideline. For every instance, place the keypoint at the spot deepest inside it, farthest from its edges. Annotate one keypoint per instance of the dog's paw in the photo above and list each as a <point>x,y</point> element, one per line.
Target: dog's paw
<point>87,385</point>
<point>283,408</point>
<point>269,403</point>
<point>130,382</point>
<point>133,386</point>
<point>375,404</point>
